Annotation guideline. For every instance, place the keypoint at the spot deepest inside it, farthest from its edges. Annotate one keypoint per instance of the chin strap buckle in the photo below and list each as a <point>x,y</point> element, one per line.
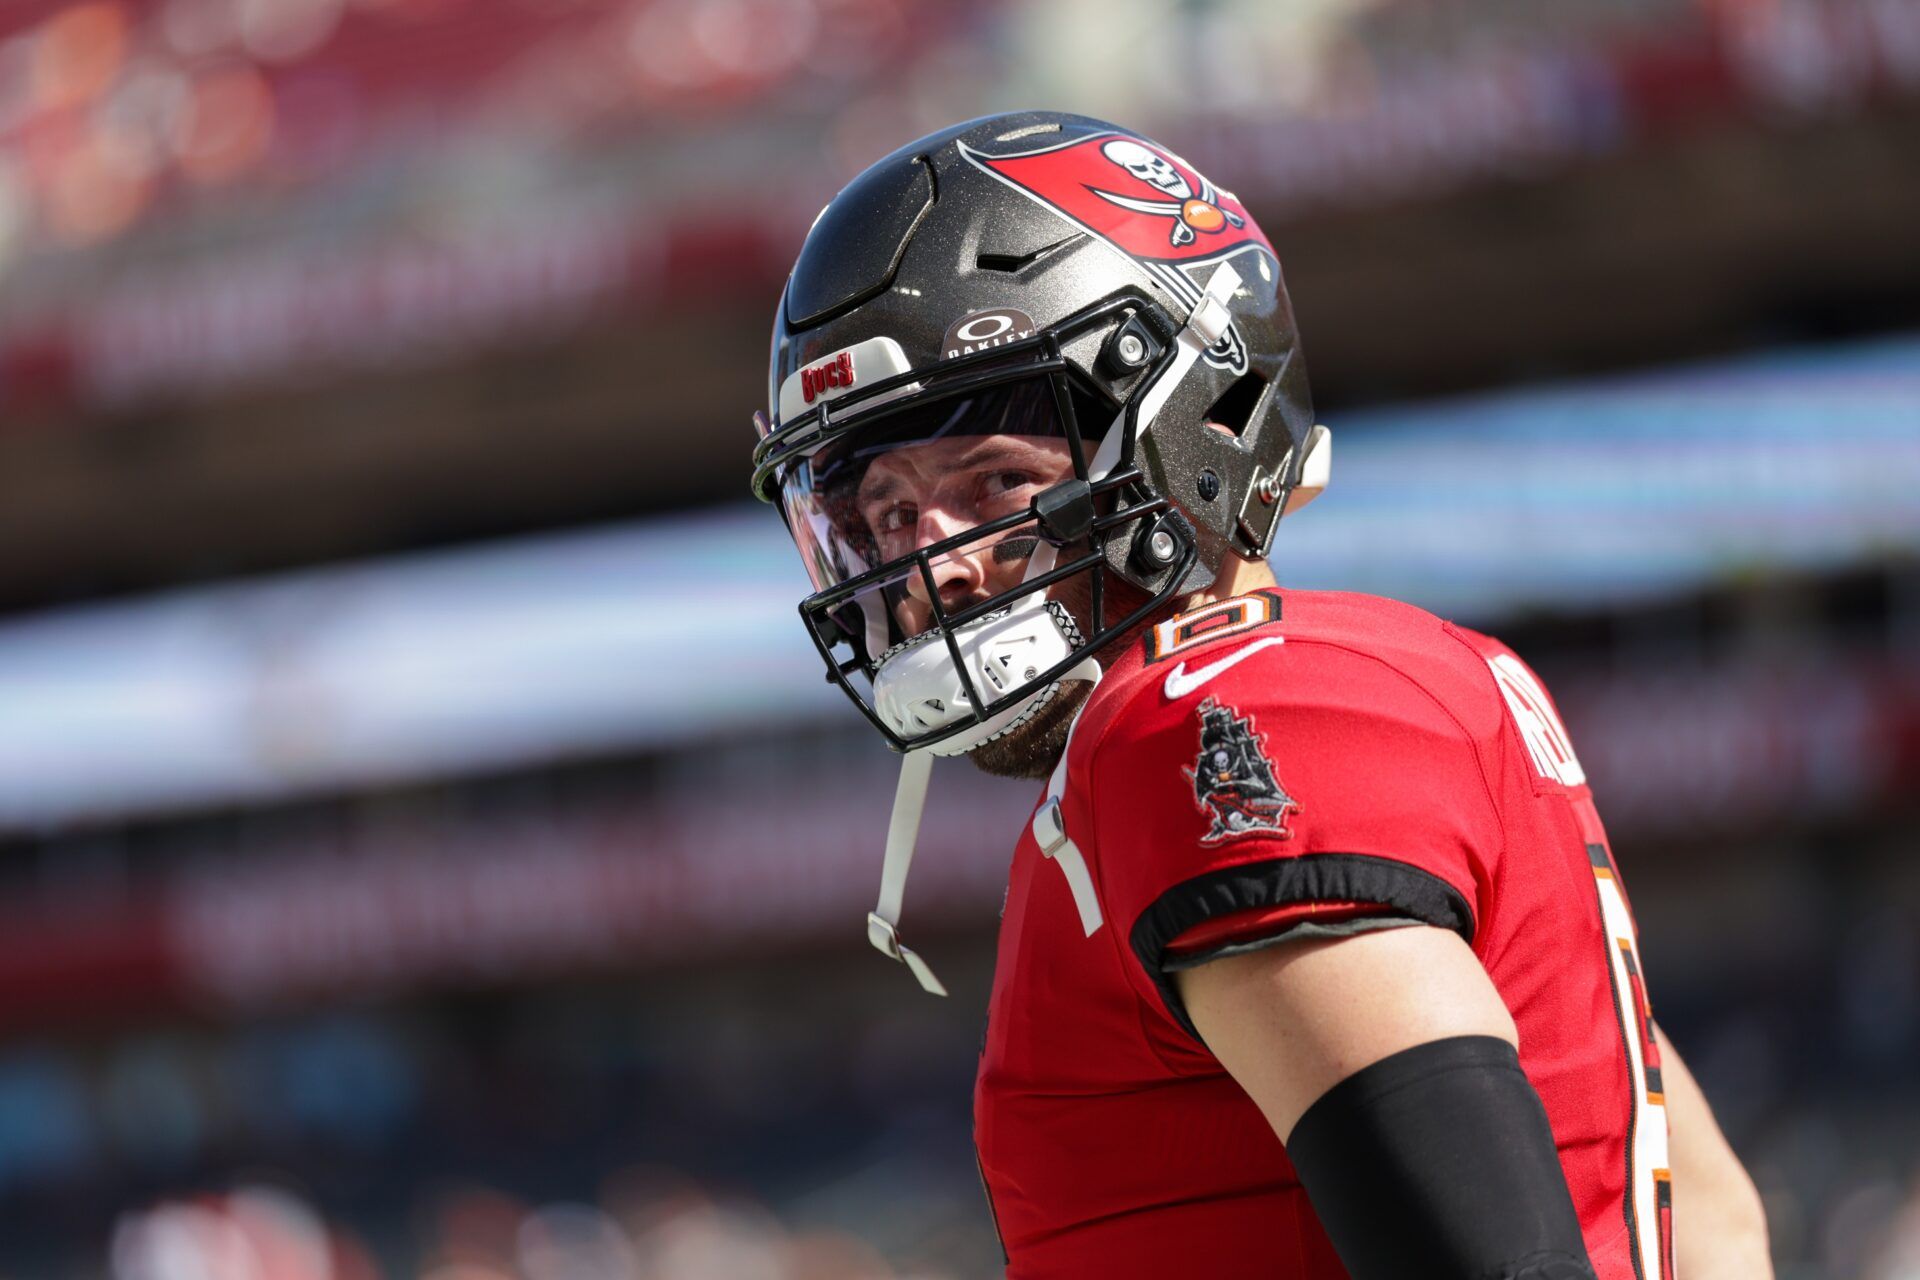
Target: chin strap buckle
<point>1206,324</point>
<point>1210,316</point>
<point>1050,833</point>
<point>883,929</point>
<point>885,937</point>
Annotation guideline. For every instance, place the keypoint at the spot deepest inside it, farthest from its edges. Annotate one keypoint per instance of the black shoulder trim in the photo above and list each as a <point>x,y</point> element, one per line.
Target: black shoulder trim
<point>1315,877</point>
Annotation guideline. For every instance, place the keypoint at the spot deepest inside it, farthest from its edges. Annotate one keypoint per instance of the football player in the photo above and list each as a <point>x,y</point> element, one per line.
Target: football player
<point>1316,961</point>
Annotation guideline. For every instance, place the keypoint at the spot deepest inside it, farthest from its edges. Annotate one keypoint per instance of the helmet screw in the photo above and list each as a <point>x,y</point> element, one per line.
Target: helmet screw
<point>1128,350</point>
<point>1209,485</point>
<point>1161,546</point>
<point>1269,489</point>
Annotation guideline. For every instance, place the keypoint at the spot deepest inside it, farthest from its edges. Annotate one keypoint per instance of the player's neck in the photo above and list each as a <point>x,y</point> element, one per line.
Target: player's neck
<point>1236,578</point>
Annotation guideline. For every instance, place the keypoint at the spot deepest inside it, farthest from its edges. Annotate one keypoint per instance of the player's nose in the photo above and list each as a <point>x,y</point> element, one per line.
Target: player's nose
<point>960,575</point>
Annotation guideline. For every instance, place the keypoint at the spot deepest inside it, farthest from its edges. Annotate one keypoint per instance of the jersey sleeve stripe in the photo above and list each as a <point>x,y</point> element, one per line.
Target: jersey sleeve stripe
<point>1321,877</point>
<point>1300,931</point>
<point>1261,922</point>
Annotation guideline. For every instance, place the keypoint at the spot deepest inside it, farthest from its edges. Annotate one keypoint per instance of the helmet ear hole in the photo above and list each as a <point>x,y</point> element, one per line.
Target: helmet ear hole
<point>1236,406</point>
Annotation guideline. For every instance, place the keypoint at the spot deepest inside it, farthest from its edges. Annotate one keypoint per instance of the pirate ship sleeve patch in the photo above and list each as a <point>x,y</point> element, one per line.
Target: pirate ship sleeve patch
<point>1234,784</point>
<point>1303,780</point>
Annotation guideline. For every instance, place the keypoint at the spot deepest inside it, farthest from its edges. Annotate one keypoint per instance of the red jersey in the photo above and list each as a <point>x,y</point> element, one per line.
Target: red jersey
<point>1257,767</point>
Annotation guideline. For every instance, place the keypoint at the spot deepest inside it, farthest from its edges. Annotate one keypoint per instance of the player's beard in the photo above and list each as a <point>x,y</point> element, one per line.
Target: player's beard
<point>1032,749</point>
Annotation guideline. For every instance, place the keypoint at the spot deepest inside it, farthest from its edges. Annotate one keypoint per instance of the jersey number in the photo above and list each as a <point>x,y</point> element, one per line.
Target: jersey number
<point>1649,1185</point>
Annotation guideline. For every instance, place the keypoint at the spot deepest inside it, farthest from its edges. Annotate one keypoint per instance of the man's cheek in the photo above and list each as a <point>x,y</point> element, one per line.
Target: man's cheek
<point>912,617</point>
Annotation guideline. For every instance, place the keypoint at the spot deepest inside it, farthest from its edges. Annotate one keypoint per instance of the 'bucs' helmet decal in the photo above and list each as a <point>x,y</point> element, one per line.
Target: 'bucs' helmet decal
<point>1145,202</point>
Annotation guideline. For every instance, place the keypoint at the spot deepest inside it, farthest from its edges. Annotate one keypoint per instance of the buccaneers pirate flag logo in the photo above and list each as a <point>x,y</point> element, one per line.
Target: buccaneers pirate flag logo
<point>1147,203</point>
<point>1233,782</point>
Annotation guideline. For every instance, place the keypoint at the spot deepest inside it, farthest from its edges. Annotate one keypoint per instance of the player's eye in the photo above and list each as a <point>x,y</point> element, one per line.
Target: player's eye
<point>897,517</point>
<point>1003,482</point>
<point>1003,490</point>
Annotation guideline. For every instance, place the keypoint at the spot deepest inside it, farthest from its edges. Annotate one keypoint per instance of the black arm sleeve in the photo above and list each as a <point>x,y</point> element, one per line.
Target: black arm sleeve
<point>1438,1162</point>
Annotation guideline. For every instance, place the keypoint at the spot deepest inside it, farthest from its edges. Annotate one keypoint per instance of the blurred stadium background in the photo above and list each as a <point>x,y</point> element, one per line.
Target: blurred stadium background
<point>427,848</point>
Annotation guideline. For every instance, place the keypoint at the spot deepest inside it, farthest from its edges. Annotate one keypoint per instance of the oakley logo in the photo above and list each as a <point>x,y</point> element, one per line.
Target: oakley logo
<point>835,373</point>
<point>984,330</point>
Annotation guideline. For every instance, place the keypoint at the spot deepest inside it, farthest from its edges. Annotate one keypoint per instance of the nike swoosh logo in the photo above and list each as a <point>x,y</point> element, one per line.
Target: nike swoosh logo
<point>1181,682</point>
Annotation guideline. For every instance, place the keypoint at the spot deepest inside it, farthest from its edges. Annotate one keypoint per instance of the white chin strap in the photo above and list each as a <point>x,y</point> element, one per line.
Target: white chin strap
<point>1206,325</point>
<point>883,922</point>
<point>918,690</point>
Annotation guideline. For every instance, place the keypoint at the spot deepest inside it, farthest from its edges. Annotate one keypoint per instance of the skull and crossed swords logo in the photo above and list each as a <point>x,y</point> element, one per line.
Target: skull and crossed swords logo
<point>1191,212</point>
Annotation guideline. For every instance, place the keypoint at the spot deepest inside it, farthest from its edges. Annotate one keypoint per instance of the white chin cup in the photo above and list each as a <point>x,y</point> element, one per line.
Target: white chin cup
<point>917,690</point>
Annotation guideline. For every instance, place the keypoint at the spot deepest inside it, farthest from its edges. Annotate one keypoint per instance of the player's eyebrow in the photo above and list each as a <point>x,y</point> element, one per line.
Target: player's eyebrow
<point>886,486</point>
<point>992,450</point>
<point>989,450</point>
